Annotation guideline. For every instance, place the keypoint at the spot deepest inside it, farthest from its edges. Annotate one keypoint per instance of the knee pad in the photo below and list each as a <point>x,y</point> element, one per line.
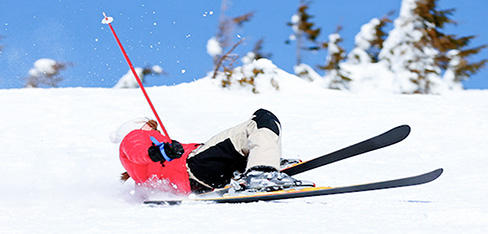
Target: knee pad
<point>266,119</point>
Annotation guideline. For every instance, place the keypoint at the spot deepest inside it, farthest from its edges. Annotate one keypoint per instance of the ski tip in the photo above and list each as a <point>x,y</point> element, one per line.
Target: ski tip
<point>400,133</point>
<point>403,130</point>
<point>438,172</point>
<point>433,175</point>
<point>405,127</point>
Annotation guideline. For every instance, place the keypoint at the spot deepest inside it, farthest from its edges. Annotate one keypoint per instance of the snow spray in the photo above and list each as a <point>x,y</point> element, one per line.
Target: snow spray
<point>108,20</point>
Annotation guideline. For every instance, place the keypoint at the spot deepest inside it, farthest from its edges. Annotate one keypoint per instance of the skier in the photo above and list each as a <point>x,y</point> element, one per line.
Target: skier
<point>252,148</point>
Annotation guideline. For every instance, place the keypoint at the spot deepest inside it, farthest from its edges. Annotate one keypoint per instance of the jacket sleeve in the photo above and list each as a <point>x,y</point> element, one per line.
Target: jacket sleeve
<point>135,145</point>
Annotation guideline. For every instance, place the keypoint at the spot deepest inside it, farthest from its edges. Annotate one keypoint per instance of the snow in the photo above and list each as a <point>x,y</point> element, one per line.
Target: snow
<point>213,47</point>
<point>295,20</point>
<point>128,80</point>
<point>449,75</point>
<point>157,69</point>
<point>362,43</point>
<point>366,34</point>
<point>59,171</point>
<point>332,45</point>
<point>306,72</point>
<point>43,66</point>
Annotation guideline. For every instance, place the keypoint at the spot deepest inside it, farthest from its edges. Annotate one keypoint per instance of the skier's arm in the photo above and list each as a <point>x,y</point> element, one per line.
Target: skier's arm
<point>137,152</point>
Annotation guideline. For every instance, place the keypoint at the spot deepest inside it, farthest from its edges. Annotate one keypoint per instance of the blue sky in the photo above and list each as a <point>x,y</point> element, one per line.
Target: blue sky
<point>173,34</point>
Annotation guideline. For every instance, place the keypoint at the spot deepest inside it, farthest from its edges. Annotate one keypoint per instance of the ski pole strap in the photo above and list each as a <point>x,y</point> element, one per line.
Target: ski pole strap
<point>168,159</point>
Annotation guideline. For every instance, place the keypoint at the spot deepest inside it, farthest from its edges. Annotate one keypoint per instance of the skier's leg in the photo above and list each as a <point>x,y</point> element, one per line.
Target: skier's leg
<point>215,161</point>
<point>264,141</point>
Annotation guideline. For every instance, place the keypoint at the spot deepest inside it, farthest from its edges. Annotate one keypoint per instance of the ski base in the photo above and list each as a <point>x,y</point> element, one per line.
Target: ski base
<point>306,192</point>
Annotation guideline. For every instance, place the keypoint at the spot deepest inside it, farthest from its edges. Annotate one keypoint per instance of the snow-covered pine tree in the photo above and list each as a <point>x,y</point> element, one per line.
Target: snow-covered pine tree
<point>409,53</point>
<point>369,41</point>
<point>417,51</point>
<point>459,68</point>
<point>128,81</point>
<point>46,72</point>
<point>453,55</point>
<point>303,28</point>
<point>249,71</point>
<point>256,69</point>
<point>335,77</point>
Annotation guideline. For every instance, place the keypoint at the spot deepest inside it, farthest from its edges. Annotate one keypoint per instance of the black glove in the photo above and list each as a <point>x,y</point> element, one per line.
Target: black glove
<point>165,151</point>
<point>174,150</point>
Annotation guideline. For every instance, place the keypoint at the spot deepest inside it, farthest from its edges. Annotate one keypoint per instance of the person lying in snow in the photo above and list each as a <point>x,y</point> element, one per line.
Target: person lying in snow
<point>252,148</point>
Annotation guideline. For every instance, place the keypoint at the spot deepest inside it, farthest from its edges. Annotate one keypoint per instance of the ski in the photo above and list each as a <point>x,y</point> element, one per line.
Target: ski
<point>393,136</point>
<point>390,137</point>
<point>306,192</point>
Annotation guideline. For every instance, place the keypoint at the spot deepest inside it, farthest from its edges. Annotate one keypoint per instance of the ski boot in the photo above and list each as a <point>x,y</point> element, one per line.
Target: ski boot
<point>266,179</point>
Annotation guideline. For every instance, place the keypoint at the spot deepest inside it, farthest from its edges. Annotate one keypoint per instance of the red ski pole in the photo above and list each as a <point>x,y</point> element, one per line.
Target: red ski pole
<point>108,20</point>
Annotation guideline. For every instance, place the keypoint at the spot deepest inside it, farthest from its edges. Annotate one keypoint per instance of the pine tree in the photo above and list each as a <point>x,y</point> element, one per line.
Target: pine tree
<point>408,54</point>
<point>336,77</point>
<point>303,28</point>
<point>379,37</point>
<point>369,41</point>
<point>459,66</point>
<point>258,50</point>
<point>453,54</point>
<point>417,50</point>
<point>46,72</point>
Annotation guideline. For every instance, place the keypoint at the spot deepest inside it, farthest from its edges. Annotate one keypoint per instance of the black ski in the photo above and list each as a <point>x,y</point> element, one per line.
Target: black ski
<point>390,137</point>
<point>311,192</point>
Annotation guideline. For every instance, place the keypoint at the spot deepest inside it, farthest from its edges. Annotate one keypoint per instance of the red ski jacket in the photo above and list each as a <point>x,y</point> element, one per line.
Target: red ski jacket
<point>135,159</point>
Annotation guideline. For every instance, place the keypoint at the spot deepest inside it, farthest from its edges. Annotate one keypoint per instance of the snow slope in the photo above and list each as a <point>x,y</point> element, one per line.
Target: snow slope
<point>59,171</point>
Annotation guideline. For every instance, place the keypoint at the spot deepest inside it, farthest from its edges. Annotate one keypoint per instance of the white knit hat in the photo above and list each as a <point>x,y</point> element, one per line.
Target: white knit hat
<point>127,127</point>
